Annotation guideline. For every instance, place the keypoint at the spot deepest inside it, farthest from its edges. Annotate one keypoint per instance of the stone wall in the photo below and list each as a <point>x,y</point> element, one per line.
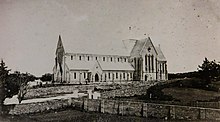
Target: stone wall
<point>40,106</point>
<point>39,92</point>
<point>126,92</point>
<point>125,108</point>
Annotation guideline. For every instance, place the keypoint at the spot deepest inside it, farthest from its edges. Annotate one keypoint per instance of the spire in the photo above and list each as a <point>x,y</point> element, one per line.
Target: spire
<point>59,45</point>
<point>60,50</point>
<point>59,54</point>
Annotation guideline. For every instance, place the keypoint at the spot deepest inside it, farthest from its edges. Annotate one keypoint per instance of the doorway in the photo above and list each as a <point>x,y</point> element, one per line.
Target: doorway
<point>96,77</point>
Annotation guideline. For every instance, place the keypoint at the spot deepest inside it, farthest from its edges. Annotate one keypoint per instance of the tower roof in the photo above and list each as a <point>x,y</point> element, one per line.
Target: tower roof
<point>59,45</point>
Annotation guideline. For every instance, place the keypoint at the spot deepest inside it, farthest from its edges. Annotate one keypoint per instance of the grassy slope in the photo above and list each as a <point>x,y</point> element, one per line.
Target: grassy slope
<point>191,94</point>
<point>72,116</point>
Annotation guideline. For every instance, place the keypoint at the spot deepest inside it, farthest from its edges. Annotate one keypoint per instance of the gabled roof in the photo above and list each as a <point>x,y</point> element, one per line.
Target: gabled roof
<point>139,46</point>
<point>116,66</point>
<point>160,55</point>
<point>80,65</point>
<point>87,65</point>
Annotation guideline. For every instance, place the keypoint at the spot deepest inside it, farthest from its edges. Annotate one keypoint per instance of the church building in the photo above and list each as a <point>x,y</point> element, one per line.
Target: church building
<point>141,62</point>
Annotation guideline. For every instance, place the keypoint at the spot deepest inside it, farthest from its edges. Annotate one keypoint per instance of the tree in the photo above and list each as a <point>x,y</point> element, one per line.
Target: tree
<point>46,77</point>
<point>209,70</point>
<point>3,88</point>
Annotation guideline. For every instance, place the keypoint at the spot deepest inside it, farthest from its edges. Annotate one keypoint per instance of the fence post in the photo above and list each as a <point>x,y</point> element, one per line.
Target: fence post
<point>102,106</point>
<point>202,113</point>
<point>145,109</point>
<point>172,112</point>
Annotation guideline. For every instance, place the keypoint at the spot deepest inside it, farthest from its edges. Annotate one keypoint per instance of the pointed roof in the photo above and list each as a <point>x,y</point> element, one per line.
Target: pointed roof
<point>59,45</point>
<point>87,65</point>
<point>160,55</point>
<point>139,46</point>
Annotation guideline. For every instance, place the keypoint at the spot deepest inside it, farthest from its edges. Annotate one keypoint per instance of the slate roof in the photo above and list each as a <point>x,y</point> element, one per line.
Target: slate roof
<point>87,65</point>
<point>116,66</point>
<point>138,47</point>
<point>79,65</point>
<point>160,55</point>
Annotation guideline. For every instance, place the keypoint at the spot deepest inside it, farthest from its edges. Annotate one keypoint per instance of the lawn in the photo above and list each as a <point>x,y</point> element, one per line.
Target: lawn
<point>70,115</point>
<point>191,94</point>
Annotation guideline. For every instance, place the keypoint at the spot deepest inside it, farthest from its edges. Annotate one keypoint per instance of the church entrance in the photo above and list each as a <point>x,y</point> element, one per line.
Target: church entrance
<point>96,77</point>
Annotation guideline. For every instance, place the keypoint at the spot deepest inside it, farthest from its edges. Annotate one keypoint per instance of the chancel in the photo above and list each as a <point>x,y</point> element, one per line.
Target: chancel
<point>142,62</point>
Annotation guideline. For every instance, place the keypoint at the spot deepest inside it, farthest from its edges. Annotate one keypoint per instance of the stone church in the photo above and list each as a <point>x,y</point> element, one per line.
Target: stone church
<point>141,62</point>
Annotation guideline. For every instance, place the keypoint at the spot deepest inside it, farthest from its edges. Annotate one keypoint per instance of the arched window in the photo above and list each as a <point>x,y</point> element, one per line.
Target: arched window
<point>103,58</point>
<point>109,76</point>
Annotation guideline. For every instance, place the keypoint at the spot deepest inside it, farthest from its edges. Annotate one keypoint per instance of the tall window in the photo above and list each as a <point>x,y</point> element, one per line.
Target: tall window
<point>103,58</point>
<point>149,64</point>
<point>118,59</point>
<point>84,75</point>
<point>152,58</point>
<point>125,60</point>
<point>96,58</point>
<point>111,59</point>
<point>88,58</point>
<point>124,75</point>
<point>146,62</point>
<point>71,57</point>
<point>130,75</point>
<point>74,75</point>
<point>116,75</point>
<point>80,57</point>
<point>109,76</point>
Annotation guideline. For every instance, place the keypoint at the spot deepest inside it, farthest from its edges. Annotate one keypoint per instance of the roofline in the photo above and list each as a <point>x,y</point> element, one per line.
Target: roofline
<point>95,54</point>
<point>102,70</point>
<point>143,47</point>
<point>145,44</point>
<point>153,45</point>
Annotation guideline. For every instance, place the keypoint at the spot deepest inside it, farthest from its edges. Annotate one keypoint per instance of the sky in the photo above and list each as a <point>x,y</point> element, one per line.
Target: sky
<point>187,30</point>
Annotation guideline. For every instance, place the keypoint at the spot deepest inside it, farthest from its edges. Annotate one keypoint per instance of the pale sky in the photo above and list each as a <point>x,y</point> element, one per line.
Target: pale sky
<point>187,30</point>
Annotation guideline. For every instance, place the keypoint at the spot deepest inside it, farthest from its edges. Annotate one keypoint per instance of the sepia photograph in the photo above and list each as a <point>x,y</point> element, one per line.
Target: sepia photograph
<point>109,60</point>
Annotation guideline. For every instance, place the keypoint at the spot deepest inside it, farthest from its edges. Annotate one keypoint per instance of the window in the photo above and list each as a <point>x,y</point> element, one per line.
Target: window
<point>96,58</point>
<point>109,76</point>
<point>116,75</point>
<point>118,59</point>
<point>131,75</point>
<point>71,57</point>
<point>103,58</point>
<point>152,61</point>
<point>125,60</point>
<point>74,75</point>
<point>124,75</point>
<point>88,58</point>
<point>84,75</point>
<point>111,59</point>
<point>80,57</point>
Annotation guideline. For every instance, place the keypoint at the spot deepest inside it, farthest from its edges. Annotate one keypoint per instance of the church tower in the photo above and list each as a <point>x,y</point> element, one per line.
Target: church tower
<point>59,74</point>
